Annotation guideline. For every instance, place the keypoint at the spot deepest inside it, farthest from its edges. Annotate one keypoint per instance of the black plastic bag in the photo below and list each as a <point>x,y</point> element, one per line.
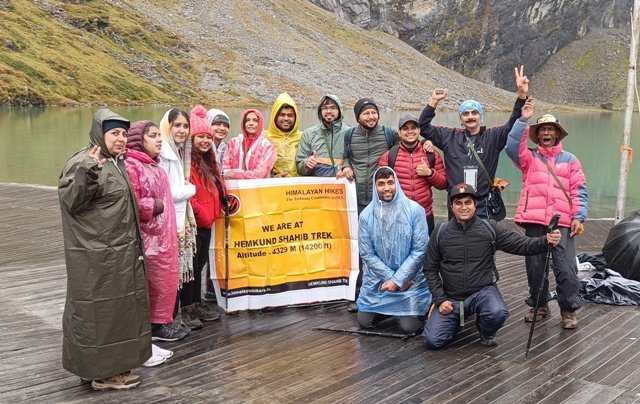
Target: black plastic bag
<point>609,287</point>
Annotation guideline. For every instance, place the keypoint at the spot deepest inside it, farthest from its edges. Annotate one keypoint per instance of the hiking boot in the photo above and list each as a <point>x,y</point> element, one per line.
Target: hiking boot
<point>352,307</point>
<point>189,318</point>
<point>488,340</point>
<point>569,320</point>
<point>205,313</point>
<point>167,332</point>
<point>122,381</point>
<point>543,311</point>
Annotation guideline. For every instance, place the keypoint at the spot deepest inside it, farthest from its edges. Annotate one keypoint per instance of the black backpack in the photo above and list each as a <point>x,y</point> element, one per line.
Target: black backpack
<point>393,155</point>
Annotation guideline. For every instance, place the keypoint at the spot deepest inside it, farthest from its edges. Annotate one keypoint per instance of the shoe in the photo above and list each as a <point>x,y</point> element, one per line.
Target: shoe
<point>205,313</point>
<point>543,311</point>
<point>167,332</point>
<point>569,320</point>
<point>154,360</point>
<point>488,340</point>
<point>352,307</point>
<point>189,318</point>
<point>122,381</point>
<point>157,351</point>
<point>209,296</point>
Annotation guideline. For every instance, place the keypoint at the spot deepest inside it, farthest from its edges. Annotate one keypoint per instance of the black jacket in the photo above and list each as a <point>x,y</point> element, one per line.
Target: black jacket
<point>461,262</point>
<point>453,143</point>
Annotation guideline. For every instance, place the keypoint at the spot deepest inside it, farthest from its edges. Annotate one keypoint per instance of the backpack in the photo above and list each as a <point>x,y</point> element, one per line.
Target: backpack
<point>388,134</point>
<point>487,226</point>
<point>393,155</point>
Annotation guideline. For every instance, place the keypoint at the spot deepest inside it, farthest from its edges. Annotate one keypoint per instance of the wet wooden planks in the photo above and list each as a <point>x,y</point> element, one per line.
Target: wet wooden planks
<point>277,356</point>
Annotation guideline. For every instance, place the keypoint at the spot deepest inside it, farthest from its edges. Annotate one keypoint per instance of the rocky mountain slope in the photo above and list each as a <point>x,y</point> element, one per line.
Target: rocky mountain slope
<point>558,41</point>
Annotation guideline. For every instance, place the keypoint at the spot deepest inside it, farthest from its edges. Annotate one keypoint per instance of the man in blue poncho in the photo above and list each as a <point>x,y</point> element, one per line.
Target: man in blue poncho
<point>393,242</point>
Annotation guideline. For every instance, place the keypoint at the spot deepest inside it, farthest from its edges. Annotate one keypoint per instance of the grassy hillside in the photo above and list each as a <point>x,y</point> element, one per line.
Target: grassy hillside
<point>64,53</point>
<point>215,52</point>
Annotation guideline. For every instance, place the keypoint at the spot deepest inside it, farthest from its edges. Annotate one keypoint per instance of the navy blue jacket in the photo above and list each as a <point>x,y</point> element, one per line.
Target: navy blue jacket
<point>489,142</point>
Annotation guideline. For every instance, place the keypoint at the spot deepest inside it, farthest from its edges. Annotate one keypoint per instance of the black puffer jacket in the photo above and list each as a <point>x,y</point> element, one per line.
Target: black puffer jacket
<point>461,262</point>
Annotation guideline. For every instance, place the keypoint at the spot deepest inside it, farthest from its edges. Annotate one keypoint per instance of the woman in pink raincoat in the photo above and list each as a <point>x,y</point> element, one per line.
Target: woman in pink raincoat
<point>249,155</point>
<point>158,225</point>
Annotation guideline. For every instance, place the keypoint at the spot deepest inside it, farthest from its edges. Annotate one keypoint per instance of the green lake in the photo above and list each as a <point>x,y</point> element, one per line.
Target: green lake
<point>35,143</point>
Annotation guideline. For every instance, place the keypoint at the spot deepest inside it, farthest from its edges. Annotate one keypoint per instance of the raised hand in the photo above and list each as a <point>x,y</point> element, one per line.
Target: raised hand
<point>522,82</point>
<point>437,95</point>
<point>527,109</point>
<point>95,155</point>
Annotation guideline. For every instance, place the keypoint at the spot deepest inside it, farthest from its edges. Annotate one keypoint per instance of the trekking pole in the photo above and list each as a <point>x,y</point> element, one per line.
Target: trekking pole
<point>553,224</point>
<point>226,254</point>
<point>403,337</point>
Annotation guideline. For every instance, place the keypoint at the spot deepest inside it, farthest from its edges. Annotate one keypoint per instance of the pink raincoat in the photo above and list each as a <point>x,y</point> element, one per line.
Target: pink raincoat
<point>256,162</point>
<point>150,183</point>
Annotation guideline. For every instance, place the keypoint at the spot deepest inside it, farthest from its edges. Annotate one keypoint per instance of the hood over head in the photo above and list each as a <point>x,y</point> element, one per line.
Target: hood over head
<point>96,134</point>
<point>283,100</point>
<point>336,100</point>
<point>260,121</point>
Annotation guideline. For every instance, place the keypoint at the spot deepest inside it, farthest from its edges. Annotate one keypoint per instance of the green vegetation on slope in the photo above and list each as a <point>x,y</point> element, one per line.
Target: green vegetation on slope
<point>89,52</point>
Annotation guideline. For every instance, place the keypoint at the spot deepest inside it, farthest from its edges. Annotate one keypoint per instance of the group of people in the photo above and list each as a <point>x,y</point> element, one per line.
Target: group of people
<point>138,203</point>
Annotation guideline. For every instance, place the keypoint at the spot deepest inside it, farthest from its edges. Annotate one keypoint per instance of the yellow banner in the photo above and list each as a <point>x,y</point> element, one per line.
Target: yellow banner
<point>290,241</point>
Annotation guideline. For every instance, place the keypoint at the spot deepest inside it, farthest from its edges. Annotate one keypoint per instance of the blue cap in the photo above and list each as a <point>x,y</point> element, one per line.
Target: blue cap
<point>469,105</point>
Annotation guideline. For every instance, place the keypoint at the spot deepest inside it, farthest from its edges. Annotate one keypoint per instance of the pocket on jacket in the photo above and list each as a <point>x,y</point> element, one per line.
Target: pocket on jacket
<point>526,201</point>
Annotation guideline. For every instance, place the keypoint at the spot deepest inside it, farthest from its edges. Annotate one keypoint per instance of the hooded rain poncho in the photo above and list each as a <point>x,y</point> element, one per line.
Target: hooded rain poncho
<point>105,325</point>
<point>393,239</point>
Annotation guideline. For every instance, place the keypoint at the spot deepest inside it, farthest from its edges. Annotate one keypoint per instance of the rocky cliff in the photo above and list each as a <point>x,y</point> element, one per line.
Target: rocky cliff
<point>485,39</point>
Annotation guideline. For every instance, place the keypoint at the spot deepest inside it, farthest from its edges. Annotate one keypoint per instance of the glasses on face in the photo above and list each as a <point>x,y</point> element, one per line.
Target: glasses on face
<point>329,108</point>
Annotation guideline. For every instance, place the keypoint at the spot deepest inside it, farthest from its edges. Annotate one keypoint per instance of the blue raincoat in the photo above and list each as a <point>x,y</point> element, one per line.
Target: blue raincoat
<point>393,238</point>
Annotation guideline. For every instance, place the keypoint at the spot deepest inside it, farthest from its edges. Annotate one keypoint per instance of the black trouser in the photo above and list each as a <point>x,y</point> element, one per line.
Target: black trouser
<point>565,269</point>
<point>408,324</point>
<point>431,224</point>
<point>192,291</point>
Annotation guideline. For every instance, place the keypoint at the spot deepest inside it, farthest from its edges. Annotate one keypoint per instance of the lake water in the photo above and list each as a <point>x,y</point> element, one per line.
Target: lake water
<point>35,143</point>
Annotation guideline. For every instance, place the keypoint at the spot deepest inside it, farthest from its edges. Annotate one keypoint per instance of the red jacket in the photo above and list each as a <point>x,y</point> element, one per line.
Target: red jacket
<point>206,204</point>
<point>414,186</point>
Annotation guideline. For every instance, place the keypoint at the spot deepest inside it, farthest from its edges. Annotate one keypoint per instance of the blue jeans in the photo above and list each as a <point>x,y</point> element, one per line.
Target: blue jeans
<point>488,306</point>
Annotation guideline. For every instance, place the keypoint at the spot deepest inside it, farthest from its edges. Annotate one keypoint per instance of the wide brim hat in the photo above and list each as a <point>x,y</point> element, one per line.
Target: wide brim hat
<point>543,120</point>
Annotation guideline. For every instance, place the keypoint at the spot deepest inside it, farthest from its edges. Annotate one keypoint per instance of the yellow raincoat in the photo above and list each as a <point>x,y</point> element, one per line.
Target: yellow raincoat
<point>286,143</point>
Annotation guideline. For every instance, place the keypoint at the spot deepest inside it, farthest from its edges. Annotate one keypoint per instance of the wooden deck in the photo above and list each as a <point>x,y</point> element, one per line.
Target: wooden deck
<point>278,357</point>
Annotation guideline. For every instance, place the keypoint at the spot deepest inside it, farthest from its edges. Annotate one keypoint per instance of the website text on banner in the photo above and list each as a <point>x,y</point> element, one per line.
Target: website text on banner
<point>291,241</point>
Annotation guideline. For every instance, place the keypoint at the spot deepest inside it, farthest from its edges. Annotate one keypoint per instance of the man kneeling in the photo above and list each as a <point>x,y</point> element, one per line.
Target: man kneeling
<point>393,237</point>
<point>460,270</point>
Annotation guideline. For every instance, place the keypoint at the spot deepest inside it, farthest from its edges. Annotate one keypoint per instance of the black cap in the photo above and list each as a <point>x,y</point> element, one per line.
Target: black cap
<point>408,118</point>
<point>462,189</point>
<point>220,118</point>
<point>362,105</point>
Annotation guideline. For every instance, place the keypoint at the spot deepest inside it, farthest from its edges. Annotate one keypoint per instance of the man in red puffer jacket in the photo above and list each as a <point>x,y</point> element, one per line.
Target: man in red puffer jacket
<point>417,170</point>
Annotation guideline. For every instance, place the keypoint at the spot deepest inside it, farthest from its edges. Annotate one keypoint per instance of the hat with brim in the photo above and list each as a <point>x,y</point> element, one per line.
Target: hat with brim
<point>544,120</point>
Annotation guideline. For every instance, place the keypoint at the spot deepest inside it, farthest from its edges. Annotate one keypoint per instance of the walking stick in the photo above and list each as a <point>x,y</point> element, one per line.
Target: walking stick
<point>403,337</point>
<point>553,224</point>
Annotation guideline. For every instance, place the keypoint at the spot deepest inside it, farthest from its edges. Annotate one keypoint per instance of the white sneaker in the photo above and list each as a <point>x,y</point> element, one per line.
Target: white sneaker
<point>157,351</point>
<point>155,360</point>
